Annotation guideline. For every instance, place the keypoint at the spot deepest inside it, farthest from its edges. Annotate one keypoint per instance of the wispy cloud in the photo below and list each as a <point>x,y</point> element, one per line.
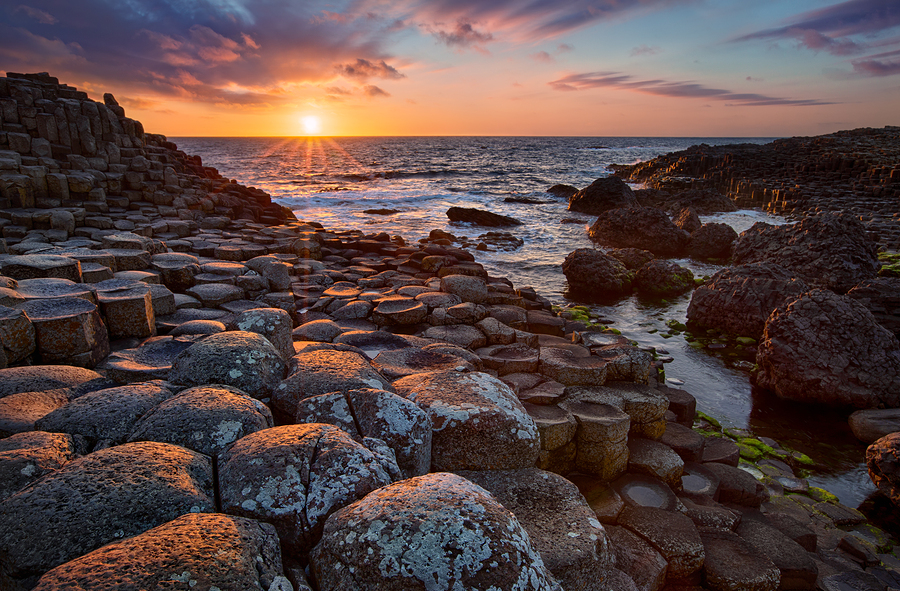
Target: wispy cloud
<point>644,50</point>
<point>618,80</point>
<point>880,64</point>
<point>41,16</point>
<point>363,69</point>
<point>462,35</point>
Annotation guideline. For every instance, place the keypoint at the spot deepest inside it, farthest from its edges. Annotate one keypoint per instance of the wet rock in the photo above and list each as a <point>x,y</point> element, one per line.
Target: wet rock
<point>602,195</point>
<point>561,525</point>
<point>739,299</point>
<point>591,272</point>
<point>294,477</point>
<point>732,564</point>
<point>110,494</point>
<point>639,227</point>
<point>480,217</point>
<point>562,191</point>
<point>721,450</point>
<point>686,442</point>
<point>311,373</point>
<point>106,415</point>
<point>241,359</point>
<point>199,550</point>
<point>206,419</point>
<point>637,490</point>
<point>882,297</point>
<point>737,486</point>
<point>660,278</point>
<point>460,530</point>
<point>152,360</point>
<point>874,423</point>
<point>273,323</point>
<point>478,423</point>
<point>68,331</point>
<point>710,515</point>
<point>362,413</point>
<point>883,461</point>
<point>673,535</point>
<point>827,348</point>
<point>712,241</point>
<point>26,457</point>
<point>828,250</point>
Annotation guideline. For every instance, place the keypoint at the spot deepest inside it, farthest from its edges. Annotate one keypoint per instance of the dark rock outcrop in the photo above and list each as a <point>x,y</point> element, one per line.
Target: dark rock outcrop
<point>883,461</point>
<point>591,272</point>
<point>712,241</point>
<point>602,195</point>
<point>882,297</point>
<point>660,278</point>
<point>646,228</point>
<point>480,217</point>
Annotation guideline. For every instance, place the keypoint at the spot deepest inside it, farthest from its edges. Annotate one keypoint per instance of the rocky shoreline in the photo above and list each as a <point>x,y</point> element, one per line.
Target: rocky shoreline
<point>201,392</point>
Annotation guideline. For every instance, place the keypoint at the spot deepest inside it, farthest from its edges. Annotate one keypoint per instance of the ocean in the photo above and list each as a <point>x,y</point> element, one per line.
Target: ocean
<point>339,181</point>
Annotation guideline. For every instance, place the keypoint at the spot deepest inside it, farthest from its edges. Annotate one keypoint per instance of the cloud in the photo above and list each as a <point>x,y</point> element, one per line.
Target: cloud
<point>876,65</point>
<point>463,35</point>
<point>374,92</point>
<point>41,16</point>
<point>617,80</point>
<point>363,69</point>
<point>644,50</point>
<point>564,48</point>
<point>542,56</point>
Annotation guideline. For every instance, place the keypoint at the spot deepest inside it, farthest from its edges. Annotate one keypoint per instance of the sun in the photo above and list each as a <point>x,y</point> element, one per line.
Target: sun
<point>311,124</point>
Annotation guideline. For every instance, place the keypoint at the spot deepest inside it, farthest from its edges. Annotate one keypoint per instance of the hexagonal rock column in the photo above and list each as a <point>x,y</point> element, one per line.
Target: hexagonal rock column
<point>25,457</point>
<point>566,367</point>
<point>176,269</point>
<point>365,413</point>
<point>478,423</point>
<point>507,359</point>
<point>152,360</point>
<point>643,404</point>
<point>36,266</point>
<point>236,358</point>
<point>69,331</point>
<point>110,494</point>
<point>206,419</point>
<point>602,439</point>
<point>273,323</point>
<point>52,287</point>
<point>557,428</point>
<point>672,534</point>
<point>202,550</point>
<point>561,525</point>
<point>412,360</point>
<point>398,310</point>
<point>128,309</point>
<point>463,539</point>
<point>294,476</point>
<point>457,334</point>
<point>17,334</point>
<point>731,564</point>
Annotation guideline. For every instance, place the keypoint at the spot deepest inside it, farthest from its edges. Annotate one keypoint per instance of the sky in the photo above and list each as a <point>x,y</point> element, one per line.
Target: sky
<point>692,68</point>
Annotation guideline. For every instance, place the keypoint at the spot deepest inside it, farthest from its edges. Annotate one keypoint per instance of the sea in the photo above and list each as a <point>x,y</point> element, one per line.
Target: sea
<point>411,182</point>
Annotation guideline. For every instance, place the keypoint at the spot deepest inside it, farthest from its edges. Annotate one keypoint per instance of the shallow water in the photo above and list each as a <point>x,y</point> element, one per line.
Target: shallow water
<point>334,180</point>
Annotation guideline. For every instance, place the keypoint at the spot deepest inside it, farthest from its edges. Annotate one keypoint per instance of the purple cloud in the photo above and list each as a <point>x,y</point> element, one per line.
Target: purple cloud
<point>41,16</point>
<point>877,65</point>
<point>542,56</point>
<point>616,80</point>
<point>463,35</point>
<point>363,69</point>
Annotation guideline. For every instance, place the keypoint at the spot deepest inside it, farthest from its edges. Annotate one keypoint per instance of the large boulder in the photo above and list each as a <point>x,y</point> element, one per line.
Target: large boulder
<point>592,272</point>
<point>438,531</point>
<point>712,241</point>
<point>739,299</point>
<point>883,461</point>
<point>199,550</point>
<point>830,250</point>
<point>478,422</point>
<point>823,347</point>
<point>646,228</point>
<point>661,278</point>
<point>105,496</point>
<point>602,195</point>
<point>480,217</point>
<point>294,476</point>
<point>245,360</point>
<point>882,297</point>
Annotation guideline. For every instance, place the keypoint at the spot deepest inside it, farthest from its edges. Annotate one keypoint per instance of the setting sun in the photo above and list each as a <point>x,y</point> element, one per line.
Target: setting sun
<point>311,125</point>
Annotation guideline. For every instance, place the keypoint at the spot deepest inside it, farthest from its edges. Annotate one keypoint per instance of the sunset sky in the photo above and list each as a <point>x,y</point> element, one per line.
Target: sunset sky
<point>471,67</point>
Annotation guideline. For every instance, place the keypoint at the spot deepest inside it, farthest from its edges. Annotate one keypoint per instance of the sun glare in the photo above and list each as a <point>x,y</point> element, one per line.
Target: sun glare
<point>311,125</point>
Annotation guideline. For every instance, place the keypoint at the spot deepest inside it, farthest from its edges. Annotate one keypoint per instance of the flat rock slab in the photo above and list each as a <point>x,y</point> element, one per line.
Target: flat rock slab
<point>322,371</point>
<point>478,423</point>
<point>236,358</point>
<point>36,266</point>
<point>412,360</point>
<point>463,539</point>
<point>206,419</point>
<point>107,415</point>
<point>152,360</point>
<point>672,534</point>
<point>561,525</point>
<point>294,476</point>
<point>26,457</point>
<point>734,565</point>
<point>110,494</point>
<point>198,550</point>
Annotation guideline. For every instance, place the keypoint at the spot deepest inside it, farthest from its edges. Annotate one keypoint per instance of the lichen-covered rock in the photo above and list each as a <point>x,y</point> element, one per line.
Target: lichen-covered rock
<point>828,348</point>
<point>830,250</point>
<point>105,496</point>
<point>245,360</point>
<point>206,419</point>
<point>560,523</point>
<point>399,423</point>
<point>591,272</point>
<point>883,461</point>
<point>462,538</point>
<point>196,551</point>
<point>294,476</point>
<point>478,423</point>
<point>602,195</point>
<point>106,415</point>
<point>646,228</point>
<point>25,457</point>
<point>739,299</point>
<point>273,323</point>
<point>660,278</point>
